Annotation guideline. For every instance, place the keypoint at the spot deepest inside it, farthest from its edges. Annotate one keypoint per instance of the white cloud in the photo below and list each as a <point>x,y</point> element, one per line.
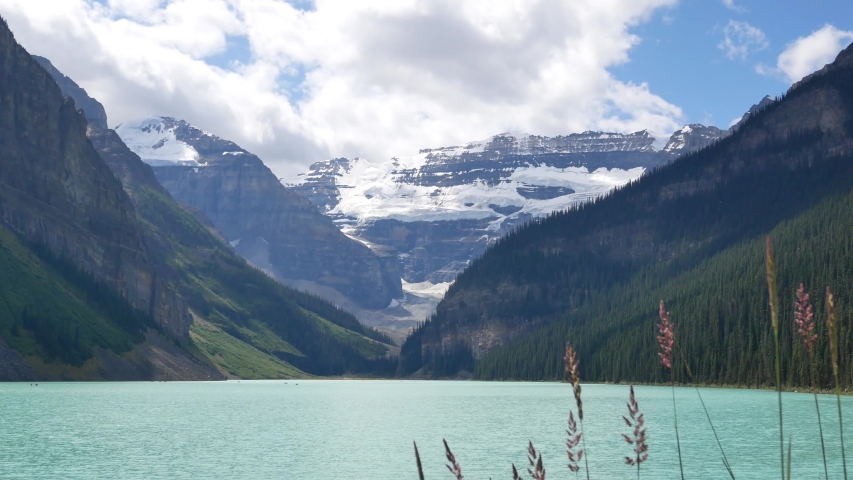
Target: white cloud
<point>808,54</point>
<point>731,5</point>
<point>741,39</point>
<point>373,78</point>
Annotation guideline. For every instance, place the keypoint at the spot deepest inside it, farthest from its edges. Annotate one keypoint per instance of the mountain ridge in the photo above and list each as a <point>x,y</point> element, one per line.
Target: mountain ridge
<point>442,207</point>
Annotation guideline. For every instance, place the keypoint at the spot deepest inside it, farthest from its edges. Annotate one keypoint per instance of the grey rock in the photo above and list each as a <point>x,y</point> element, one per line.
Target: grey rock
<point>57,191</point>
<point>274,228</point>
<point>92,109</point>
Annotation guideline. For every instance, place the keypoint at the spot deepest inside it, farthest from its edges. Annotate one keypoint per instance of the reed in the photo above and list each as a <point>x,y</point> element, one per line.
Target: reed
<point>707,415</point>
<point>831,329</point>
<point>570,361</point>
<point>666,340</point>
<point>452,464</point>
<point>637,436</point>
<point>774,318</point>
<point>804,320</point>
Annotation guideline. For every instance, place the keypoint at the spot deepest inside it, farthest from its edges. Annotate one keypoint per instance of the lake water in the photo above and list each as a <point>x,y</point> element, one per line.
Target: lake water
<point>326,429</point>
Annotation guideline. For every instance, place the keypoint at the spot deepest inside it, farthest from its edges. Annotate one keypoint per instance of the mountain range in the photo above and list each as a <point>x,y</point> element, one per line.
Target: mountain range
<point>105,276</point>
<point>443,207</point>
<point>161,251</point>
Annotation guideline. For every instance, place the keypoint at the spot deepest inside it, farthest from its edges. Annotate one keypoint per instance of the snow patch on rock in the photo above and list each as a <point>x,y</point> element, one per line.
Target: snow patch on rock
<point>156,143</point>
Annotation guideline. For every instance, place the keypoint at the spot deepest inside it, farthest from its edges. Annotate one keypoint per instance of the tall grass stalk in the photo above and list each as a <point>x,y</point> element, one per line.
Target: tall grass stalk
<point>570,361</point>
<point>572,442</point>
<point>637,436</point>
<point>789,458</point>
<point>833,349</point>
<point>666,340</point>
<point>774,318</point>
<point>707,415</point>
<point>418,461</point>
<point>536,469</point>
<point>452,464</point>
<point>804,319</point>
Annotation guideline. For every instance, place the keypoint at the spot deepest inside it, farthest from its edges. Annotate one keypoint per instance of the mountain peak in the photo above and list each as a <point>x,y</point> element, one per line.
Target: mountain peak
<point>154,139</point>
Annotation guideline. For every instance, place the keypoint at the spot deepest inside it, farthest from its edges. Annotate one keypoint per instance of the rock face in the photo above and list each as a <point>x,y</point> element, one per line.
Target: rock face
<point>272,227</point>
<point>443,207</point>
<point>692,137</point>
<point>92,109</point>
<point>55,190</point>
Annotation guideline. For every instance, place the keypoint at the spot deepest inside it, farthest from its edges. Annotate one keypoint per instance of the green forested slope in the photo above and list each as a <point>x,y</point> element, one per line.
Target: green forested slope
<point>719,308</point>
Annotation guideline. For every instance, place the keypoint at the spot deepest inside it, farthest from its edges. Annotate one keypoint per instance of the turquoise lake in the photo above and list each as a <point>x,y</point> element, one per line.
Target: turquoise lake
<point>341,429</point>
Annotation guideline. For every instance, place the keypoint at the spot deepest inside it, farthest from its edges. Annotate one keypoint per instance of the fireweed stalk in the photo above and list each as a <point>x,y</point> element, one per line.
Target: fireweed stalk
<point>804,319</point>
<point>666,340</point>
<point>831,328</point>
<point>637,436</point>
<point>570,360</point>
<point>774,318</point>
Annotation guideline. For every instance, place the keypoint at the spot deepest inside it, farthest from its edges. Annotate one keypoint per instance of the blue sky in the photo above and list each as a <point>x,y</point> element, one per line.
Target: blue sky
<point>680,59</point>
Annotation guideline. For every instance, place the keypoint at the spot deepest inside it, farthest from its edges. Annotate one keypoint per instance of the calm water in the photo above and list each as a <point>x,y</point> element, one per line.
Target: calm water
<point>364,430</point>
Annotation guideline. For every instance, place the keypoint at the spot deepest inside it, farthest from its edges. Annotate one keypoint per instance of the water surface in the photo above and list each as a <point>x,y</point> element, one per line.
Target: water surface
<point>329,429</point>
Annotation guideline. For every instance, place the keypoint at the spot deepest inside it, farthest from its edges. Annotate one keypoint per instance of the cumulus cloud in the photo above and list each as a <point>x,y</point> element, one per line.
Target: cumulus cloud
<point>808,54</point>
<point>741,39</point>
<point>731,5</point>
<point>373,78</point>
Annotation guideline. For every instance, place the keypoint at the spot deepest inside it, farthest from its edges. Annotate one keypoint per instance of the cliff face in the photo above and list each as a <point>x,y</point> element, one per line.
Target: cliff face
<point>272,227</point>
<point>55,190</point>
<point>281,232</point>
<point>92,109</point>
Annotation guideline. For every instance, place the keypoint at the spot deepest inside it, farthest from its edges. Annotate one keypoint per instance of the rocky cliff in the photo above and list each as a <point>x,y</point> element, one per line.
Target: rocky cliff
<point>92,109</point>
<point>275,229</point>
<point>56,191</point>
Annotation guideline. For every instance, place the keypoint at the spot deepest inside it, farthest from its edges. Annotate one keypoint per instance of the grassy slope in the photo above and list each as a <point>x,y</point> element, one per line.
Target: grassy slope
<point>245,328</point>
<point>235,358</point>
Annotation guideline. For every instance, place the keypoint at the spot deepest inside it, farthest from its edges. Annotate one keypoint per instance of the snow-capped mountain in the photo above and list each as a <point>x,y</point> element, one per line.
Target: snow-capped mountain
<point>692,137</point>
<point>443,206</point>
<point>271,226</point>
